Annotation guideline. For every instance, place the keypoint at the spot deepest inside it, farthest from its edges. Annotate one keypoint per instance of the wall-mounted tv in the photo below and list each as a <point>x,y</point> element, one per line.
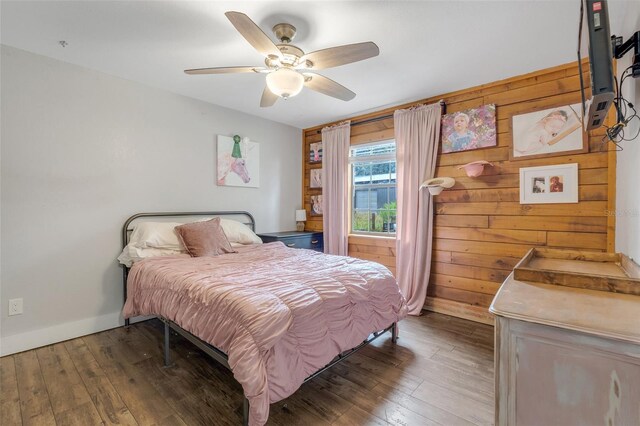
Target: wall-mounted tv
<point>601,64</point>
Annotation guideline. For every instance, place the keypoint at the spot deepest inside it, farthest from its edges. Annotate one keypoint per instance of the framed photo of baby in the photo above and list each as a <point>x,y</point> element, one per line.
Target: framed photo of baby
<point>549,184</point>
<point>548,133</point>
<point>469,129</point>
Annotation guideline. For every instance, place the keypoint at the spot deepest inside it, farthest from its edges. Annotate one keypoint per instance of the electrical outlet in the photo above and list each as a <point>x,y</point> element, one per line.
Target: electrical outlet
<point>15,306</point>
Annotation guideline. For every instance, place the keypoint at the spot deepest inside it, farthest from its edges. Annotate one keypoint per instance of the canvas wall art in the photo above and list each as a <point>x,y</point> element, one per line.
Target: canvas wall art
<point>316,205</point>
<point>238,162</point>
<point>315,152</point>
<point>553,131</point>
<point>469,129</point>
<point>315,178</point>
<point>549,184</point>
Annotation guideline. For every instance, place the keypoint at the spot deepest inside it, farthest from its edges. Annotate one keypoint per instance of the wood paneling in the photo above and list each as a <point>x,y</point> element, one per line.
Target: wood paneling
<point>481,229</point>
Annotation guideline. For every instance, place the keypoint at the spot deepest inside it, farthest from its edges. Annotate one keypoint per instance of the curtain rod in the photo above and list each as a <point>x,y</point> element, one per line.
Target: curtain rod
<point>443,105</point>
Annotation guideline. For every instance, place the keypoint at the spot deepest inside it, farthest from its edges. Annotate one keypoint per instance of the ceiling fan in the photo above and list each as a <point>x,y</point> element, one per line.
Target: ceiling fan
<point>288,68</point>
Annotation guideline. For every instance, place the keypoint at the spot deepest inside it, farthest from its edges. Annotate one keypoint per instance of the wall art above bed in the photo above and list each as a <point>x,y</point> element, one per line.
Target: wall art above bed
<point>469,129</point>
<point>238,162</point>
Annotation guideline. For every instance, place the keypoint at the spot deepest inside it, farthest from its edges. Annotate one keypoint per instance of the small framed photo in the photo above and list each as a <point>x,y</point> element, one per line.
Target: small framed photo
<point>316,205</point>
<point>549,184</point>
<point>315,152</point>
<point>548,133</point>
<point>315,178</point>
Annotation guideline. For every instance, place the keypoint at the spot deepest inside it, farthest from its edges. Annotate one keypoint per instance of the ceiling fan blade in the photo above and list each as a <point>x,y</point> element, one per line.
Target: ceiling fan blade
<point>328,87</point>
<point>268,98</point>
<point>223,70</point>
<point>341,55</point>
<point>253,34</point>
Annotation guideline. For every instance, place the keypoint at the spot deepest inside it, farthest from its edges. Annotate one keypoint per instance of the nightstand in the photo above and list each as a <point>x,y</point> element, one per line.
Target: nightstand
<point>296,239</point>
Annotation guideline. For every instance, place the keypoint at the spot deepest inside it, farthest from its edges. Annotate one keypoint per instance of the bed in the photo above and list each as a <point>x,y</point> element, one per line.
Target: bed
<point>276,316</point>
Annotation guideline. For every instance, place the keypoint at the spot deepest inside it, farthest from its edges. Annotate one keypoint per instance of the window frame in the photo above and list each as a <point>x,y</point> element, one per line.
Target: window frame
<point>369,159</point>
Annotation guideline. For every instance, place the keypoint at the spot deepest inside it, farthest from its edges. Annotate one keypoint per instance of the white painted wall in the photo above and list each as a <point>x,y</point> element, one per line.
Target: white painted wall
<point>628,161</point>
<point>81,152</point>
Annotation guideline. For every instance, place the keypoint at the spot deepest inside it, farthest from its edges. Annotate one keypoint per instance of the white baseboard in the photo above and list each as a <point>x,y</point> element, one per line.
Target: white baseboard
<point>58,333</point>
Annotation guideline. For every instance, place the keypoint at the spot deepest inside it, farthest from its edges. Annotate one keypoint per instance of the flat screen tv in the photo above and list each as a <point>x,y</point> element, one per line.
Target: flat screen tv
<point>601,64</point>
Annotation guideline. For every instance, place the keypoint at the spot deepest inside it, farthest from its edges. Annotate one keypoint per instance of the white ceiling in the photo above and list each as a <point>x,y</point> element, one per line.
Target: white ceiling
<point>426,48</point>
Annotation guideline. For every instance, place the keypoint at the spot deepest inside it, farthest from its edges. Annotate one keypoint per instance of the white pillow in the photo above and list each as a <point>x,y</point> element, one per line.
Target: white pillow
<point>239,232</point>
<point>160,235</point>
<point>131,254</point>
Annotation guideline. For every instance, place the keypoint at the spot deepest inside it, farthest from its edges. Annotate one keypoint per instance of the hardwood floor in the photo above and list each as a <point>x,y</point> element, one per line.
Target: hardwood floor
<point>441,372</point>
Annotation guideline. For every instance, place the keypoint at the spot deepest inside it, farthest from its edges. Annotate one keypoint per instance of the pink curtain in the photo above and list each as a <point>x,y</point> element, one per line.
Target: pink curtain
<point>417,132</point>
<point>335,187</point>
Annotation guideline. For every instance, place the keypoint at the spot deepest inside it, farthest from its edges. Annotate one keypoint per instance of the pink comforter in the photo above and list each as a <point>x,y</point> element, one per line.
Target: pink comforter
<point>279,313</point>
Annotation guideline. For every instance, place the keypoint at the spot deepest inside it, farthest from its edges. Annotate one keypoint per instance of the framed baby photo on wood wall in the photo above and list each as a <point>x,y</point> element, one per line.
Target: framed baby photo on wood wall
<point>472,128</point>
<point>549,184</point>
<point>548,133</point>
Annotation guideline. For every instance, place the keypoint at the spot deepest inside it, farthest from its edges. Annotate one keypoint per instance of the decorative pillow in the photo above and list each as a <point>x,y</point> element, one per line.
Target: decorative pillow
<point>204,238</point>
<point>160,235</point>
<point>238,232</point>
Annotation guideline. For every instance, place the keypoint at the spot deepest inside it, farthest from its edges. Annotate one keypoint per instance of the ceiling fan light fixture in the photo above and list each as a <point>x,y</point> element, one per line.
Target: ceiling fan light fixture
<point>285,82</point>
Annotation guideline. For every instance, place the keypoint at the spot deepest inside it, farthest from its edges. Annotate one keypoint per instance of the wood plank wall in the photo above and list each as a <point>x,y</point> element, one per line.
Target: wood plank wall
<point>481,229</point>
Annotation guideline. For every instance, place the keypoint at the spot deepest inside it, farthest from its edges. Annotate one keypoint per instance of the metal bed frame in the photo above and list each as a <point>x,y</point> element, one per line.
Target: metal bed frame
<point>211,350</point>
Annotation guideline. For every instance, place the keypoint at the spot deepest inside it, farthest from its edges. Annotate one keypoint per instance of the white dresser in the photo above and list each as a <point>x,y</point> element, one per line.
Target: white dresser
<point>566,356</point>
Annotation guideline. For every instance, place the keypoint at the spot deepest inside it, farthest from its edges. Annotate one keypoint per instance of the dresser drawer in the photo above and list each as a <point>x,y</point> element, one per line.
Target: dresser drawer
<point>308,242</point>
<point>304,240</point>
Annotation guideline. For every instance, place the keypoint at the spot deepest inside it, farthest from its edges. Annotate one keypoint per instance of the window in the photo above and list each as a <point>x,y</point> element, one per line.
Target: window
<point>373,188</point>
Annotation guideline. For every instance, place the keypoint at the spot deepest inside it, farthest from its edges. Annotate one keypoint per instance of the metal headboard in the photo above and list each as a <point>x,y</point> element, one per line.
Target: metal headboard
<point>127,228</point>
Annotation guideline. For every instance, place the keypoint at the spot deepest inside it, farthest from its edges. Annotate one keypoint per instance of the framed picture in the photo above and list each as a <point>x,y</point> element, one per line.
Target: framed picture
<point>549,184</point>
<point>469,129</point>
<point>551,132</point>
<point>238,162</point>
<point>315,152</point>
<point>315,178</point>
<point>316,205</point>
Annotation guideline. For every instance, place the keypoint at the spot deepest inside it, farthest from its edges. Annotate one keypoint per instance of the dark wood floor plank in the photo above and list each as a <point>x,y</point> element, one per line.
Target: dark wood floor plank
<point>371,402</point>
<point>466,360</point>
<point>35,406</point>
<point>82,415</point>
<point>172,420</point>
<point>384,350</point>
<point>67,392</point>
<point>446,323</point>
<point>321,401</point>
<point>383,374</point>
<point>102,393</point>
<point>425,340</point>
<point>141,398</point>
<point>446,339</point>
<point>418,406</point>
<point>154,332</point>
<point>9,396</point>
<point>461,381</point>
<point>357,416</point>
<point>180,394</point>
<point>132,345</point>
<point>449,400</point>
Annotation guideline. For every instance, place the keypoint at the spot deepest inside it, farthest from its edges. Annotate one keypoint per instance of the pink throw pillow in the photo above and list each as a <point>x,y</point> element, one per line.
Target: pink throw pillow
<point>204,238</point>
